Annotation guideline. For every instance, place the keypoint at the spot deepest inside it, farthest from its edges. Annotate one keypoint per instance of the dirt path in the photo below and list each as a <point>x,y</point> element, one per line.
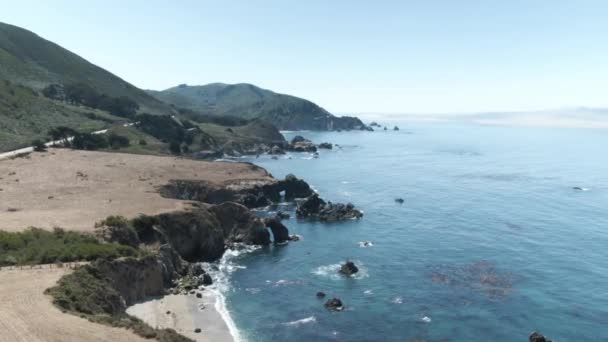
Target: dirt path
<point>75,189</point>
<point>27,315</point>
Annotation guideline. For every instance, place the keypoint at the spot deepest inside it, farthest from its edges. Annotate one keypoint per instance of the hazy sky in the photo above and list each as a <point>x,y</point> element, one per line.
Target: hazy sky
<point>348,56</point>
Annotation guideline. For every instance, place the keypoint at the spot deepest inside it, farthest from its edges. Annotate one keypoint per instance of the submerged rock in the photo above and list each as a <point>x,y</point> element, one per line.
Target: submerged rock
<point>395,128</point>
<point>326,145</point>
<point>349,268</point>
<point>316,208</point>
<point>399,200</point>
<point>334,304</point>
<point>320,294</point>
<point>536,337</point>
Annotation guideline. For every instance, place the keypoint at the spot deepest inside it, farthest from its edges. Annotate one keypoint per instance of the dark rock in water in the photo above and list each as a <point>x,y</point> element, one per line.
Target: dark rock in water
<point>274,158</point>
<point>316,208</point>
<point>349,268</point>
<point>536,337</point>
<point>578,188</point>
<point>399,200</point>
<point>207,279</point>
<point>297,139</point>
<point>276,150</point>
<point>395,128</point>
<point>374,124</point>
<point>294,188</point>
<point>199,295</point>
<point>168,312</point>
<point>300,144</point>
<point>320,294</point>
<point>197,330</point>
<point>294,237</point>
<point>283,216</point>
<point>279,231</point>
<point>326,145</point>
<point>334,304</point>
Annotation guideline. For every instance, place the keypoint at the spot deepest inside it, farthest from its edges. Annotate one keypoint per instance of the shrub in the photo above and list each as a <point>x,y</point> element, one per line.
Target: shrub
<point>38,246</point>
<point>143,142</point>
<point>39,145</point>
<point>117,229</point>
<point>88,141</point>
<point>117,141</point>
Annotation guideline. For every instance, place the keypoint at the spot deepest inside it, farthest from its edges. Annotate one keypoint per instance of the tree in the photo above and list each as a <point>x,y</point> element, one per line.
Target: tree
<point>39,145</point>
<point>117,141</point>
<point>175,147</point>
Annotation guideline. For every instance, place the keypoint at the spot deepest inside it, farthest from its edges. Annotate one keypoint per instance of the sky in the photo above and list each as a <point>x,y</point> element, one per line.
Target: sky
<point>426,56</point>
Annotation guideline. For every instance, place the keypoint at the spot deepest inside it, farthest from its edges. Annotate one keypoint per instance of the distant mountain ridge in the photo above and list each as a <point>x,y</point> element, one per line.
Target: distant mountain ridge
<point>248,101</point>
<point>30,60</point>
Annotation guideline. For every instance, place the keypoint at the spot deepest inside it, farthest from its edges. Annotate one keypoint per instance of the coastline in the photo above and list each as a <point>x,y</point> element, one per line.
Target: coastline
<point>187,313</point>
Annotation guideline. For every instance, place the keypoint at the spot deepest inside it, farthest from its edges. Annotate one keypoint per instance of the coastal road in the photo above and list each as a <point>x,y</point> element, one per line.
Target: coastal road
<point>14,153</point>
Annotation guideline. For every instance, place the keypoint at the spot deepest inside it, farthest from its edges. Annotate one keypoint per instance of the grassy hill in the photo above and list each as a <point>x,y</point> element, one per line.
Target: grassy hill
<point>26,115</point>
<point>248,101</point>
<point>27,59</point>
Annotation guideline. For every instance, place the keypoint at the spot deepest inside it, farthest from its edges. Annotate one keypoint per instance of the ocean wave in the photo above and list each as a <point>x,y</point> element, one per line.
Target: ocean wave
<point>397,300</point>
<point>307,320</point>
<point>331,271</point>
<point>365,244</point>
<point>221,271</point>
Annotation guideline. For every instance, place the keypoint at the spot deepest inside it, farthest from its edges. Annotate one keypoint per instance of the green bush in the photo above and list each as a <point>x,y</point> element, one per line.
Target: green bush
<point>38,246</point>
<point>117,229</point>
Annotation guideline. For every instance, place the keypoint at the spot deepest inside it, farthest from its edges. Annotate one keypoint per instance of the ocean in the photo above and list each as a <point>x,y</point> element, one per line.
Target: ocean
<point>492,240</point>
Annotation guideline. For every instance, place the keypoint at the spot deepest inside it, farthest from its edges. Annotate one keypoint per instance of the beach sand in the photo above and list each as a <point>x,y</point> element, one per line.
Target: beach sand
<point>186,313</point>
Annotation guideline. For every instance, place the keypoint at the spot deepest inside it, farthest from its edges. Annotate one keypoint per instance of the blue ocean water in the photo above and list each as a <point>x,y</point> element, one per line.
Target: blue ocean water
<point>491,243</point>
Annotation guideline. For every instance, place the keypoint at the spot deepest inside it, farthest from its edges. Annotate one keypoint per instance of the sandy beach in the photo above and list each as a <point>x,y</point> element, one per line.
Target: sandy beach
<point>184,314</point>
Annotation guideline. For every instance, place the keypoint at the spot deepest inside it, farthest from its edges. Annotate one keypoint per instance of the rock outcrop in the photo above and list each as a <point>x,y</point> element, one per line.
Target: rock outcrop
<point>250,193</point>
<point>240,225</point>
<point>334,304</point>
<point>536,337</point>
<point>279,231</point>
<point>316,208</point>
<point>300,144</point>
<point>349,268</point>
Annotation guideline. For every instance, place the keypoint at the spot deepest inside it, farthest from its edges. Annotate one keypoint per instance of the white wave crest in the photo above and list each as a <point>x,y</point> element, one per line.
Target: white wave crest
<point>331,271</point>
<point>307,320</point>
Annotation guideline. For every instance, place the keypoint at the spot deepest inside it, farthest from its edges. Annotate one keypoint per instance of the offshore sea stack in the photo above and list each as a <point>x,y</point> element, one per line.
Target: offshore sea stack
<point>316,208</point>
<point>536,337</point>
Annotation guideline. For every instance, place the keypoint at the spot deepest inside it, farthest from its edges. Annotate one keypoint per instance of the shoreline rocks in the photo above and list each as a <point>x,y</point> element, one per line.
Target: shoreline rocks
<point>279,231</point>
<point>316,208</point>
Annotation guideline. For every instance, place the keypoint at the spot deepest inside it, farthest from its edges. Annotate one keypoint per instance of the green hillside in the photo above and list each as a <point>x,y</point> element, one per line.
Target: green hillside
<point>248,101</point>
<point>26,115</point>
<point>27,59</point>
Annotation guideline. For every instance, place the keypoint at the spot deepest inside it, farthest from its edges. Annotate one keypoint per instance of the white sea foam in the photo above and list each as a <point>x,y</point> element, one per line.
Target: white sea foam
<point>397,300</point>
<point>331,271</point>
<point>368,292</point>
<point>299,322</point>
<point>426,319</point>
<point>365,244</point>
<point>221,272</point>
